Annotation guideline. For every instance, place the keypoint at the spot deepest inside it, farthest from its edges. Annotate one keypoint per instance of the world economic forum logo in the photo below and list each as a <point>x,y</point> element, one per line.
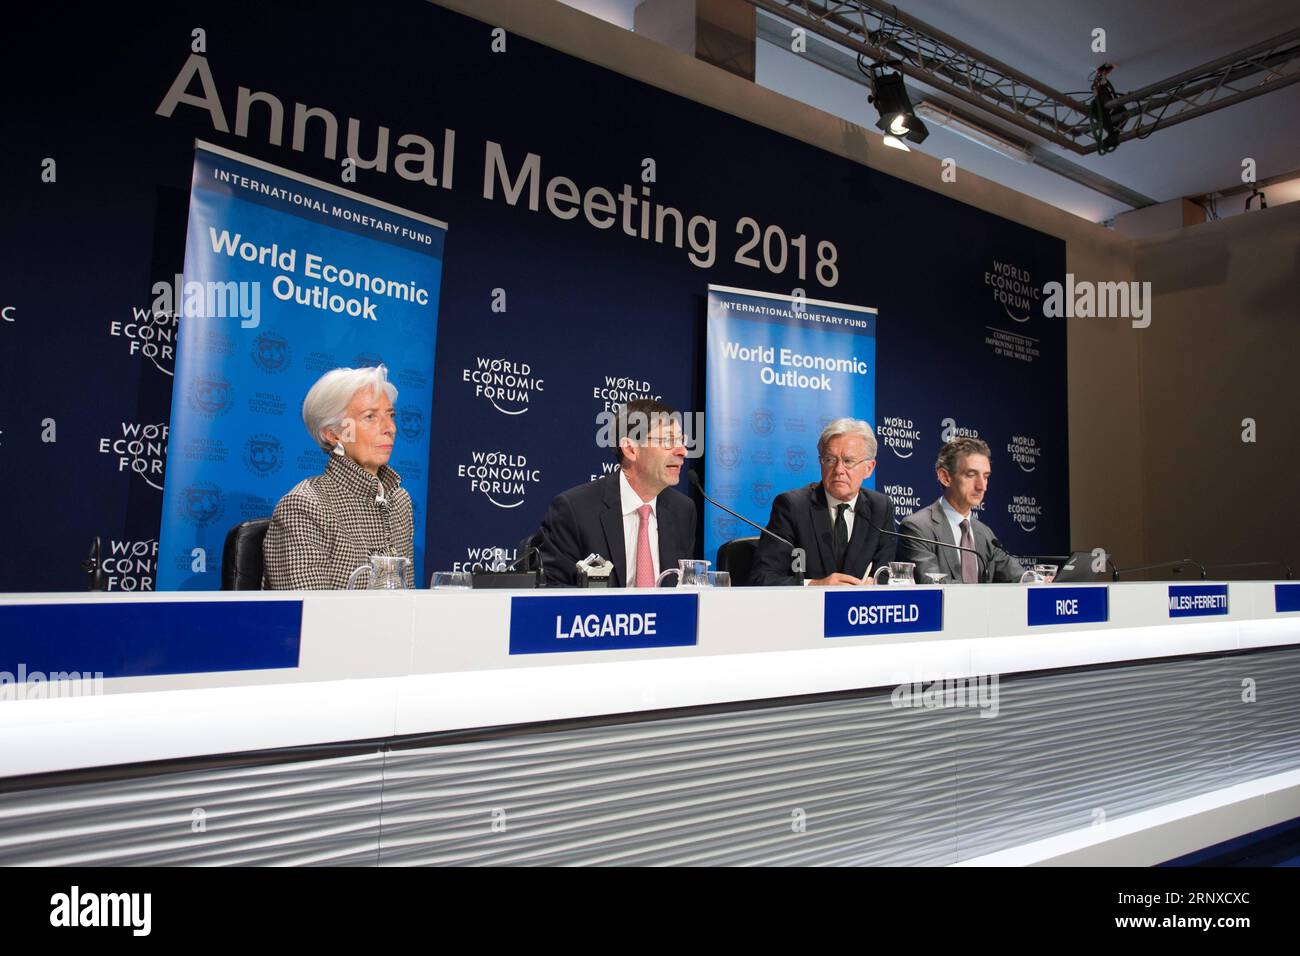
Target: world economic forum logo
<point>763,421</point>
<point>271,352</point>
<point>211,396</point>
<point>366,360</point>
<point>504,478</point>
<point>410,422</point>
<point>263,454</point>
<point>507,385</point>
<point>1025,511</point>
<point>201,503</point>
<point>1014,289</point>
<point>1024,451</point>
<point>900,435</point>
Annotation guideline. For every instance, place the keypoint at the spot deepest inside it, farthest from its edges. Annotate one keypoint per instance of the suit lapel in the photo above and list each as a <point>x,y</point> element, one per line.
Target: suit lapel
<point>611,520</point>
<point>949,559</point>
<point>821,522</point>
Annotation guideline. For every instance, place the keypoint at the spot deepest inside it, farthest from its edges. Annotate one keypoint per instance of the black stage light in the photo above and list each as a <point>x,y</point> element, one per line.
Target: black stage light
<point>897,120</point>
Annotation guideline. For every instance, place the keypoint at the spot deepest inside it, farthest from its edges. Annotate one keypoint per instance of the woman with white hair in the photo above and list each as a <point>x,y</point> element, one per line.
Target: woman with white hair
<point>331,524</point>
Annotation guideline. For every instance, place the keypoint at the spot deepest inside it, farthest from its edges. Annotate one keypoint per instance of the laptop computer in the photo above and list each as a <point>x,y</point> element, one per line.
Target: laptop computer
<point>1078,568</point>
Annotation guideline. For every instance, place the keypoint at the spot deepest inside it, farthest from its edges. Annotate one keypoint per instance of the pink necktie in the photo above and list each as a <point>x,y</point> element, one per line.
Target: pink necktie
<point>645,568</point>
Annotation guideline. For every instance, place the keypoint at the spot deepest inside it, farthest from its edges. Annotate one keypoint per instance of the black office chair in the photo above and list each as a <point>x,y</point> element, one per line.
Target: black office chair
<point>241,558</point>
<point>529,560</point>
<point>737,557</point>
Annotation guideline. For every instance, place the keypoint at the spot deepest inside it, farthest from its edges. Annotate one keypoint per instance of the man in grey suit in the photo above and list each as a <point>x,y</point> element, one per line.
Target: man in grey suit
<point>963,469</point>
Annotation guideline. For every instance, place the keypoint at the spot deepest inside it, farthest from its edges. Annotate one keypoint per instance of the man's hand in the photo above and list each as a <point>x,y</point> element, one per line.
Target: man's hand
<point>838,578</point>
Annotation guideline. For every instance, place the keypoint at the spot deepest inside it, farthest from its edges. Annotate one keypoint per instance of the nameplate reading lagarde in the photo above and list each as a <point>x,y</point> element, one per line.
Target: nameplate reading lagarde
<point>884,610</point>
<point>557,625</point>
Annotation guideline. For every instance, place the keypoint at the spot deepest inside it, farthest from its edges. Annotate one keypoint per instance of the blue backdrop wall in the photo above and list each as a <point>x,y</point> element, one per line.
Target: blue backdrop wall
<point>600,303</point>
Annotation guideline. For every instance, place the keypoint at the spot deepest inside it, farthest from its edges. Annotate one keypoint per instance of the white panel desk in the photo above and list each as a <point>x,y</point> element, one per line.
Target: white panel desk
<point>399,669</point>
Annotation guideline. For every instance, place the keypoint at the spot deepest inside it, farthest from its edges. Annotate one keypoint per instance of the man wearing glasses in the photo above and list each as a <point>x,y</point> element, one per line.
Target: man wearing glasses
<point>636,518</point>
<point>832,522</point>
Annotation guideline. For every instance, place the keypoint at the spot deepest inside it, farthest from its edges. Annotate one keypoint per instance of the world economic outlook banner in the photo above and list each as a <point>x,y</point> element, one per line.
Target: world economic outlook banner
<point>285,278</point>
<point>779,369</point>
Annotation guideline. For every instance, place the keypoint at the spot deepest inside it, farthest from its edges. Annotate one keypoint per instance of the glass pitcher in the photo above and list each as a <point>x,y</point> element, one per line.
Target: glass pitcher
<point>691,573</point>
<point>900,572</point>
<point>386,571</point>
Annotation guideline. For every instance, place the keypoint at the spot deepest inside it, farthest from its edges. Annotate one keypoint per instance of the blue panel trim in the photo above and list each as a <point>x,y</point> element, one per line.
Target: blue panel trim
<point>886,610</point>
<point>1286,597</point>
<point>1056,604</point>
<point>1197,600</point>
<point>602,622</point>
<point>144,639</point>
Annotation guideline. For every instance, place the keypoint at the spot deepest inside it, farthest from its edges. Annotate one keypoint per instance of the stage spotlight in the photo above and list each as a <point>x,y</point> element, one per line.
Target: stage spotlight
<point>889,96</point>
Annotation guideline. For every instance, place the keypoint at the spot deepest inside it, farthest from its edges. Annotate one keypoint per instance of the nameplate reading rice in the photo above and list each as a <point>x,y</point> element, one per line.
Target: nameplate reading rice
<point>1054,604</point>
<point>557,625</point>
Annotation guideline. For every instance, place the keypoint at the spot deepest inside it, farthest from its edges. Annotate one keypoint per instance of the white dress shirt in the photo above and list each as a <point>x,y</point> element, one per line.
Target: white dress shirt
<point>631,501</point>
<point>955,519</point>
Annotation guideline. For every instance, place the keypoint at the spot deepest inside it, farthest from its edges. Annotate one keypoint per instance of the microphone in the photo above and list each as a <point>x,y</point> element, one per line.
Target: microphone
<point>94,568</point>
<point>694,479</point>
<point>956,547</point>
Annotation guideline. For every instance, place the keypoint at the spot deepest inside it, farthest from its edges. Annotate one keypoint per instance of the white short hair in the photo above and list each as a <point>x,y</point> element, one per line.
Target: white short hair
<point>327,401</point>
<point>848,426</point>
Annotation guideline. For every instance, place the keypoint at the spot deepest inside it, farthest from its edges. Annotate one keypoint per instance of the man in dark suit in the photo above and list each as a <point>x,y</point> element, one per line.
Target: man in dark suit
<point>635,518</point>
<point>963,469</point>
<point>834,521</point>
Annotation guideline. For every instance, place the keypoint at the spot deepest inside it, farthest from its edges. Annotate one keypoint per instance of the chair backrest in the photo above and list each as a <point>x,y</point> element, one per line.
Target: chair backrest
<point>241,558</point>
<point>737,557</point>
<point>529,562</point>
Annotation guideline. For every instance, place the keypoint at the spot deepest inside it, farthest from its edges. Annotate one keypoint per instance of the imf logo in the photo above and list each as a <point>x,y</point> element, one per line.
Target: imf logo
<point>729,455</point>
<point>795,458</point>
<point>201,503</point>
<point>263,454</point>
<point>727,527</point>
<point>760,492</point>
<point>271,352</point>
<point>763,421</point>
<point>411,423</point>
<point>211,396</point>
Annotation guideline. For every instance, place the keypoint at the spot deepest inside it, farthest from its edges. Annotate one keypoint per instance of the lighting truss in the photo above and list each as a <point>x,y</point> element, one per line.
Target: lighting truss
<point>887,35</point>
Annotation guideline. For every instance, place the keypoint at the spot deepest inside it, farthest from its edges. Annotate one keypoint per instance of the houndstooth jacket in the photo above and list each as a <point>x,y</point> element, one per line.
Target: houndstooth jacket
<point>329,525</point>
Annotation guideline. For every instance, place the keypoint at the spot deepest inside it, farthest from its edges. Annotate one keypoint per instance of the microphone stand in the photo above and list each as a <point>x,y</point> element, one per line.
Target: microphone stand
<point>984,565</point>
<point>695,480</point>
<point>1181,562</point>
<point>94,567</point>
<point>1253,564</point>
